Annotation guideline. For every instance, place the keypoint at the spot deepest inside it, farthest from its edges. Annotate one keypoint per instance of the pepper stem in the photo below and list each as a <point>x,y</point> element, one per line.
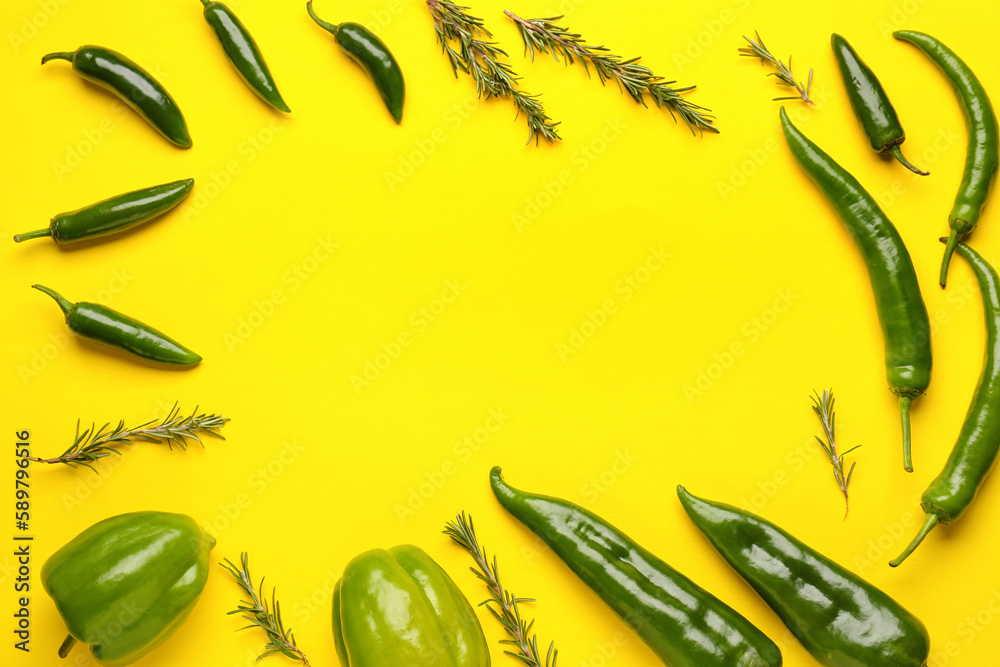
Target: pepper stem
<point>898,154</point>
<point>929,523</point>
<point>949,248</point>
<point>58,55</point>
<point>333,29</point>
<point>67,646</point>
<point>37,234</point>
<point>206,2</point>
<point>66,306</point>
<point>904,413</point>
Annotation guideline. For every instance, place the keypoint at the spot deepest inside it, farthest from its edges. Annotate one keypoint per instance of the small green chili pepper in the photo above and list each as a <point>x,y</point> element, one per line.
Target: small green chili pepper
<point>870,103</point>
<point>841,619</point>
<point>981,160</point>
<point>371,53</point>
<point>243,53</point>
<point>109,327</point>
<point>685,625</point>
<point>127,583</point>
<point>905,326</point>
<point>134,85</point>
<point>975,451</point>
<point>398,608</point>
<point>113,215</point>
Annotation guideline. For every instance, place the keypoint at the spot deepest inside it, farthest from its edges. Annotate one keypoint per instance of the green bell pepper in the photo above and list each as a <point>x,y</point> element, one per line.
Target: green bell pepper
<point>127,583</point>
<point>398,607</point>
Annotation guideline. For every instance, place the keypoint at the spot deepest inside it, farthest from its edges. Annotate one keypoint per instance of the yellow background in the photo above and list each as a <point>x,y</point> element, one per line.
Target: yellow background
<point>313,241</point>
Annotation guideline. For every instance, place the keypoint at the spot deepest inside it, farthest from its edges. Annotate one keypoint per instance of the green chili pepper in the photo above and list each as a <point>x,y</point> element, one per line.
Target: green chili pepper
<point>134,85</point>
<point>685,625</point>
<point>243,53</point>
<point>127,583</point>
<point>870,103</point>
<point>371,53</point>
<point>398,607</point>
<point>104,325</point>
<point>113,215</point>
<point>981,161</point>
<point>901,310</point>
<point>975,451</point>
<point>841,619</point>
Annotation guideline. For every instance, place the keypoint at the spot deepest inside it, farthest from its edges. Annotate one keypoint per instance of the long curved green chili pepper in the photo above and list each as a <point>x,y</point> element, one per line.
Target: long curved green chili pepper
<point>113,215</point>
<point>109,327</point>
<point>243,53</point>
<point>978,444</point>
<point>870,103</point>
<point>684,625</point>
<point>841,619</point>
<point>371,53</point>
<point>901,310</point>
<point>134,85</point>
<point>981,161</point>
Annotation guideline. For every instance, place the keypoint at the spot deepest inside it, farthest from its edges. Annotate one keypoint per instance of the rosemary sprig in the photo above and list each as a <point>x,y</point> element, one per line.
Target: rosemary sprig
<point>544,36</point>
<point>823,407</point>
<point>506,611</point>
<point>784,74</point>
<point>257,612</point>
<point>175,429</point>
<point>481,60</point>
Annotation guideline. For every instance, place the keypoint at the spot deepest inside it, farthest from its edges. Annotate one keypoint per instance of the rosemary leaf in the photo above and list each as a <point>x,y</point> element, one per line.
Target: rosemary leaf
<point>256,611</point>
<point>823,407</point>
<point>544,36</point>
<point>94,444</point>
<point>783,73</point>
<point>502,603</point>
<point>463,40</point>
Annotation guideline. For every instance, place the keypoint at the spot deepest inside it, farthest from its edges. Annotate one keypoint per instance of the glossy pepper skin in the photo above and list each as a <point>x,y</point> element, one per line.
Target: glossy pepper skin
<point>682,623</point>
<point>125,584</point>
<point>134,85</point>
<point>981,161</point>
<point>374,57</point>
<point>113,215</point>
<point>397,607</point>
<point>109,327</point>
<point>841,619</point>
<point>901,311</point>
<point>243,53</point>
<point>975,451</point>
<point>870,103</point>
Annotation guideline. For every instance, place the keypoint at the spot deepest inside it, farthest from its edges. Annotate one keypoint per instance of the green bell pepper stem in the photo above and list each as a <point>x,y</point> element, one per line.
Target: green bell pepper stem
<point>64,305</point>
<point>329,27</point>
<point>904,413</point>
<point>37,234</point>
<point>67,646</point>
<point>59,55</point>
